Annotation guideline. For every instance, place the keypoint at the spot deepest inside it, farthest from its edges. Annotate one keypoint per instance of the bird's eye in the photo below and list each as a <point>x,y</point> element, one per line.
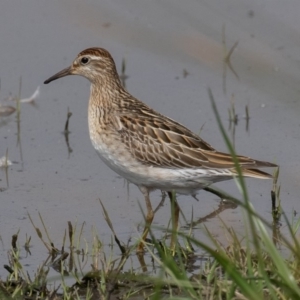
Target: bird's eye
<point>84,60</point>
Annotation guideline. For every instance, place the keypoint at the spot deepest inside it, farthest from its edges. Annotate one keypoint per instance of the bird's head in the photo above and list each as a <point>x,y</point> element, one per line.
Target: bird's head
<point>95,64</point>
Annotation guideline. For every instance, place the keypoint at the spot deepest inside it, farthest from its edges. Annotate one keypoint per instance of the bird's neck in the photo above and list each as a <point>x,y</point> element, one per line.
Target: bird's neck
<point>104,93</point>
<point>104,100</point>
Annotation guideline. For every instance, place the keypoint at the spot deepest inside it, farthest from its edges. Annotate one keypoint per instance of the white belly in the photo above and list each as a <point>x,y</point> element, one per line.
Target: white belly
<point>183,181</point>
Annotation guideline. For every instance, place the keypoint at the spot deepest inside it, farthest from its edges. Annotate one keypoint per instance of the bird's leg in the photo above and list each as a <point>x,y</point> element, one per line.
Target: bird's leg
<point>149,218</point>
<point>175,209</point>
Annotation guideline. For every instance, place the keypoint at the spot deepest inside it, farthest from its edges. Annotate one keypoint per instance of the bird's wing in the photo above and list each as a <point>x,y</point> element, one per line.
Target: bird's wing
<point>159,141</point>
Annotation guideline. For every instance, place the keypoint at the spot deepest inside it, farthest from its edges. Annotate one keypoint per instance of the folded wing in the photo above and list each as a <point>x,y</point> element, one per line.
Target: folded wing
<point>154,140</point>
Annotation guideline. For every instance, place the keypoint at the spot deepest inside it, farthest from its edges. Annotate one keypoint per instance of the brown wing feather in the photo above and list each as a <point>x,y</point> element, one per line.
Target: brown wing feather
<point>159,141</point>
<point>255,173</point>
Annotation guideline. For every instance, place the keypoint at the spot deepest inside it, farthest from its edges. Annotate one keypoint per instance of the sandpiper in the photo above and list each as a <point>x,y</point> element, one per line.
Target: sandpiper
<point>145,147</point>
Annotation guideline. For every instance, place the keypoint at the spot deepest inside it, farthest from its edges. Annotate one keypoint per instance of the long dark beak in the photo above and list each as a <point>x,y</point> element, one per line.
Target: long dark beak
<point>62,73</point>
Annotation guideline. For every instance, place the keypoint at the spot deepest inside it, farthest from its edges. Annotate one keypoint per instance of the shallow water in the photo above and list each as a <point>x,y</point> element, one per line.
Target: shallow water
<point>158,41</point>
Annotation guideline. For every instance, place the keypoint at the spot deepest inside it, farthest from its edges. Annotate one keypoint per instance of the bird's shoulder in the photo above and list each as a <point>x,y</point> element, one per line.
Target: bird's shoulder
<point>140,119</point>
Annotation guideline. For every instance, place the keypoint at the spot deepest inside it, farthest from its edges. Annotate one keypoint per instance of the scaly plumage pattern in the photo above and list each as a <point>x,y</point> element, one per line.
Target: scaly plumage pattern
<point>147,148</point>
